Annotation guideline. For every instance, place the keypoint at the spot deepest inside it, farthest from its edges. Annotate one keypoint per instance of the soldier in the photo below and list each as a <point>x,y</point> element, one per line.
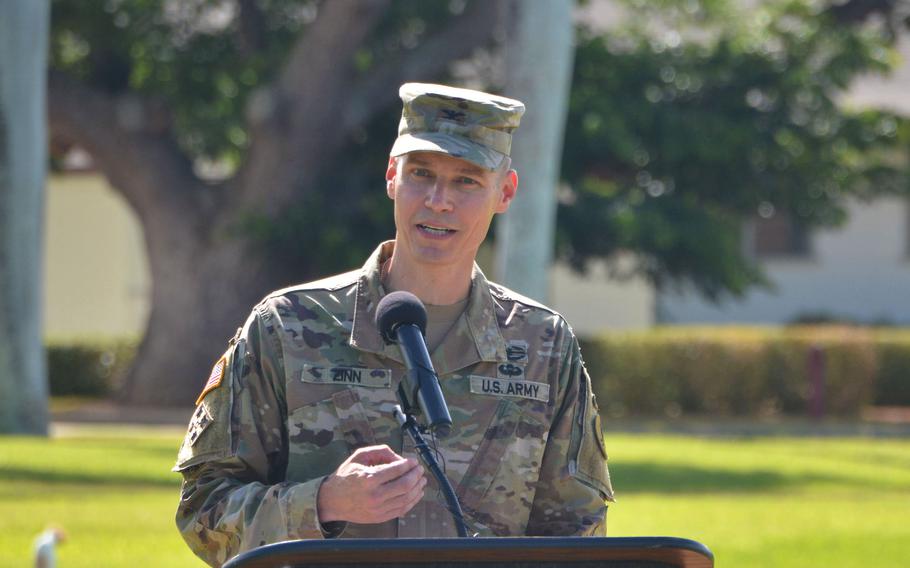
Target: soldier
<point>294,437</point>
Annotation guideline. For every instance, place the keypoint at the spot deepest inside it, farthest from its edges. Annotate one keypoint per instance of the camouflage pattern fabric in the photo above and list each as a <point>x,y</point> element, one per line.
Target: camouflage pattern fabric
<point>309,380</point>
<point>470,125</point>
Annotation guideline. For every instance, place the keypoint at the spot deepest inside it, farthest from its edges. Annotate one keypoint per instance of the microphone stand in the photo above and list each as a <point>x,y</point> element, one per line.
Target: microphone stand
<point>409,425</point>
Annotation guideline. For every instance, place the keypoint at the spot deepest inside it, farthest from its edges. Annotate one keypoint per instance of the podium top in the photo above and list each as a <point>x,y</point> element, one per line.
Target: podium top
<point>577,552</point>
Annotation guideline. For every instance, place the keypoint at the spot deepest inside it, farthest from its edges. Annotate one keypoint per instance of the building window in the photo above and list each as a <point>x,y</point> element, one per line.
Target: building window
<point>779,236</point>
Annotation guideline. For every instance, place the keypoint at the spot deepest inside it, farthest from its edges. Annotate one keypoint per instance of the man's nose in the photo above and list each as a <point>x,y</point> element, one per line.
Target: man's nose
<point>439,196</point>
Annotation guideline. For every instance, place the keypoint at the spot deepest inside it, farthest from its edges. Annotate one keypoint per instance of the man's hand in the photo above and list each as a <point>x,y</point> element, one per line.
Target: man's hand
<point>372,486</point>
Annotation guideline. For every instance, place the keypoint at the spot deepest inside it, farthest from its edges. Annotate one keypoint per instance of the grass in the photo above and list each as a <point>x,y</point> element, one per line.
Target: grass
<point>781,502</point>
<point>109,488</point>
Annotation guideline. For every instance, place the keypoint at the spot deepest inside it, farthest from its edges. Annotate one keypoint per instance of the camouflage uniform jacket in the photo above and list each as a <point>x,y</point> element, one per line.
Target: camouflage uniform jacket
<point>308,379</point>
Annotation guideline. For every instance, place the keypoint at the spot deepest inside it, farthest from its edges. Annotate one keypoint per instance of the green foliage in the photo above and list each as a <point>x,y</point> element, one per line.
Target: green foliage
<point>696,116</point>
<point>688,120</point>
<point>346,217</point>
<point>205,59</point>
<point>893,385</point>
<point>747,371</point>
<point>191,55</point>
<point>665,372</point>
<point>87,367</point>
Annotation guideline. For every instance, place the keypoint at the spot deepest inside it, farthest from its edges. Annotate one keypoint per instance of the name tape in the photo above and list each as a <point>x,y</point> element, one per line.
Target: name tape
<point>358,376</point>
<point>506,387</point>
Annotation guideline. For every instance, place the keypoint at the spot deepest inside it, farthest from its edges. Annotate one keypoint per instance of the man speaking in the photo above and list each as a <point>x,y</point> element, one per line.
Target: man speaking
<point>294,435</point>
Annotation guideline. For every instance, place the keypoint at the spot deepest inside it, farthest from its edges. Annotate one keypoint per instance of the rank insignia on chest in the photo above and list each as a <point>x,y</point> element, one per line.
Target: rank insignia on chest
<point>215,378</point>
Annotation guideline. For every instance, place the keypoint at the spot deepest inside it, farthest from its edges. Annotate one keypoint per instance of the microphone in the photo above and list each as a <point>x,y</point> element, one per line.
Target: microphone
<point>402,319</point>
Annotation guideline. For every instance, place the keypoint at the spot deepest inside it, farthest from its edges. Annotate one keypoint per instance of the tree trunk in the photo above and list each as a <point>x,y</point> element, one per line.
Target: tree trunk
<point>23,162</point>
<point>205,274</point>
<point>539,55</point>
<point>202,291</point>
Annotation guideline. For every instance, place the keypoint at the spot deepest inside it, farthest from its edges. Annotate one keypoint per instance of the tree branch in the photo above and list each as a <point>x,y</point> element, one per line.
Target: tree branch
<point>853,11</point>
<point>293,124</point>
<point>128,137</point>
<point>251,29</point>
<point>379,89</point>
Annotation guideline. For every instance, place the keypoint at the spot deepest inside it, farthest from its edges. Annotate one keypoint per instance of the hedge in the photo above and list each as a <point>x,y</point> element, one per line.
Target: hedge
<point>741,371</point>
<point>668,371</point>
<point>88,367</point>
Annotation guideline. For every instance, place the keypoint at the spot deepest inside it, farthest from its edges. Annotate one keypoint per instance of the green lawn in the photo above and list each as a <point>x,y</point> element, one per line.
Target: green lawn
<point>755,502</point>
<point>110,489</point>
<point>782,502</point>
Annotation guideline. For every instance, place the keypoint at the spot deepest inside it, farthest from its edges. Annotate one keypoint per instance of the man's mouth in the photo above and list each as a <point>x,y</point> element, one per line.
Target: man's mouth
<point>436,231</point>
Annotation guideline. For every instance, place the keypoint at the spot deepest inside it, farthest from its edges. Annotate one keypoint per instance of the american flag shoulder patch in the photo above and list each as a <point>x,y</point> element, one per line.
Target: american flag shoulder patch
<point>215,379</point>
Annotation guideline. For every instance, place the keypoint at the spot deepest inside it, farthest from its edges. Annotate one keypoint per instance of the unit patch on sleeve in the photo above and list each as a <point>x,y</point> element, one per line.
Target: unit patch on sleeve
<point>198,423</point>
<point>215,379</point>
<point>357,376</point>
<point>505,387</point>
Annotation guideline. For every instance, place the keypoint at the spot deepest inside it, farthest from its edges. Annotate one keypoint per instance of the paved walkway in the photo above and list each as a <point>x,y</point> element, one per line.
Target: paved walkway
<point>110,412</point>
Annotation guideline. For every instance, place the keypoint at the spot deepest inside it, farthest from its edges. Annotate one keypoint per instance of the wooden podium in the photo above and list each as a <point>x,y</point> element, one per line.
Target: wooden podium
<point>524,552</point>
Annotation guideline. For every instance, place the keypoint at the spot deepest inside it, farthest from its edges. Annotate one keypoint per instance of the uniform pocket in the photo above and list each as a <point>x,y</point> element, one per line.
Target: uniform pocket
<point>498,487</point>
<point>321,435</point>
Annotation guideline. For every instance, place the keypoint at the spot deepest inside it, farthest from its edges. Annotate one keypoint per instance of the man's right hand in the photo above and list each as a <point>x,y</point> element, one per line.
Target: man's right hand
<point>372,486</point>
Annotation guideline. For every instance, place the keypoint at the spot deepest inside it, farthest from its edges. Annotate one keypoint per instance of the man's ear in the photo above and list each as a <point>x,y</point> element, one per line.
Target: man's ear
<point>390,173</point>
<point>509,187</point>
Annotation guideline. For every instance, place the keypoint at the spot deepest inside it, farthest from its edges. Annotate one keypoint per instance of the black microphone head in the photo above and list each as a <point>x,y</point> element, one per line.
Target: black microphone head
<point>399,308</point>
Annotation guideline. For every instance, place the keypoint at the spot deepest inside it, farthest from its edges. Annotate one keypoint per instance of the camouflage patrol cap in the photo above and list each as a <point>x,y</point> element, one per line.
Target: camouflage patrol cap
<point>466,124</point>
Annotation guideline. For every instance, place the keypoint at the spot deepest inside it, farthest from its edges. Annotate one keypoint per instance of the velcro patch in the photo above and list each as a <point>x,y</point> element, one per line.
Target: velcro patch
<point>505,387</point>
<point>517,351</point>
<point>358,376</point>
<point>215,379</point>
<point>510,371</point>
<point>201,420</point>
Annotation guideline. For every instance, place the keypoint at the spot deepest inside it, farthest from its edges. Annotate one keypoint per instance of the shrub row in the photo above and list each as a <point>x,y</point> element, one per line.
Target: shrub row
<point>668,371</point>
<point>739,371</point>
<point>92,367</point>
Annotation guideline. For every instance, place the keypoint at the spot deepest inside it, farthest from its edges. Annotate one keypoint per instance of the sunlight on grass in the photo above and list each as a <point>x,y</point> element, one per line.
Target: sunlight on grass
<point>782,502</point>
<point>779,502</point>
<point>111,490</point>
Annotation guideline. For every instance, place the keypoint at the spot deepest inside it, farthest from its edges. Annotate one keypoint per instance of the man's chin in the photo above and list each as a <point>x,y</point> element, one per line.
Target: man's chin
<point>435,257</point>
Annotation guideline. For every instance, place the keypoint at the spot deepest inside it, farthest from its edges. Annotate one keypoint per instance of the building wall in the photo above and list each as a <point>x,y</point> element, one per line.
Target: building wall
<point>96,275</point>
<point>596,302</point>
<point>97,280</point>
<point>860,271</point>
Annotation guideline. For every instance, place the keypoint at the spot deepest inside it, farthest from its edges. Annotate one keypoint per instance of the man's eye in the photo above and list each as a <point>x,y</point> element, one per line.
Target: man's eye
<point>468,181</point>
<point>421,172</point>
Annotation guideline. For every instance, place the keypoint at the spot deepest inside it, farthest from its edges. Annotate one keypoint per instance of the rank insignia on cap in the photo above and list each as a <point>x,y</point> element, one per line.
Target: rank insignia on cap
<point>214,379</point>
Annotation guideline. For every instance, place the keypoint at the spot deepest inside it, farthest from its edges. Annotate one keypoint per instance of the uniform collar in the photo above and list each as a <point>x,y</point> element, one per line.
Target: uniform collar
<point>474,338</point>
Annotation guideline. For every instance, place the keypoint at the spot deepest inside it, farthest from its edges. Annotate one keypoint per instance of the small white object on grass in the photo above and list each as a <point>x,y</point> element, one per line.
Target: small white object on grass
<point>45,547</point>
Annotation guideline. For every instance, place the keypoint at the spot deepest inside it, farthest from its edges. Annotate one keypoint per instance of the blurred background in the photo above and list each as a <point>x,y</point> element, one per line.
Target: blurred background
<point>716,194</point>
